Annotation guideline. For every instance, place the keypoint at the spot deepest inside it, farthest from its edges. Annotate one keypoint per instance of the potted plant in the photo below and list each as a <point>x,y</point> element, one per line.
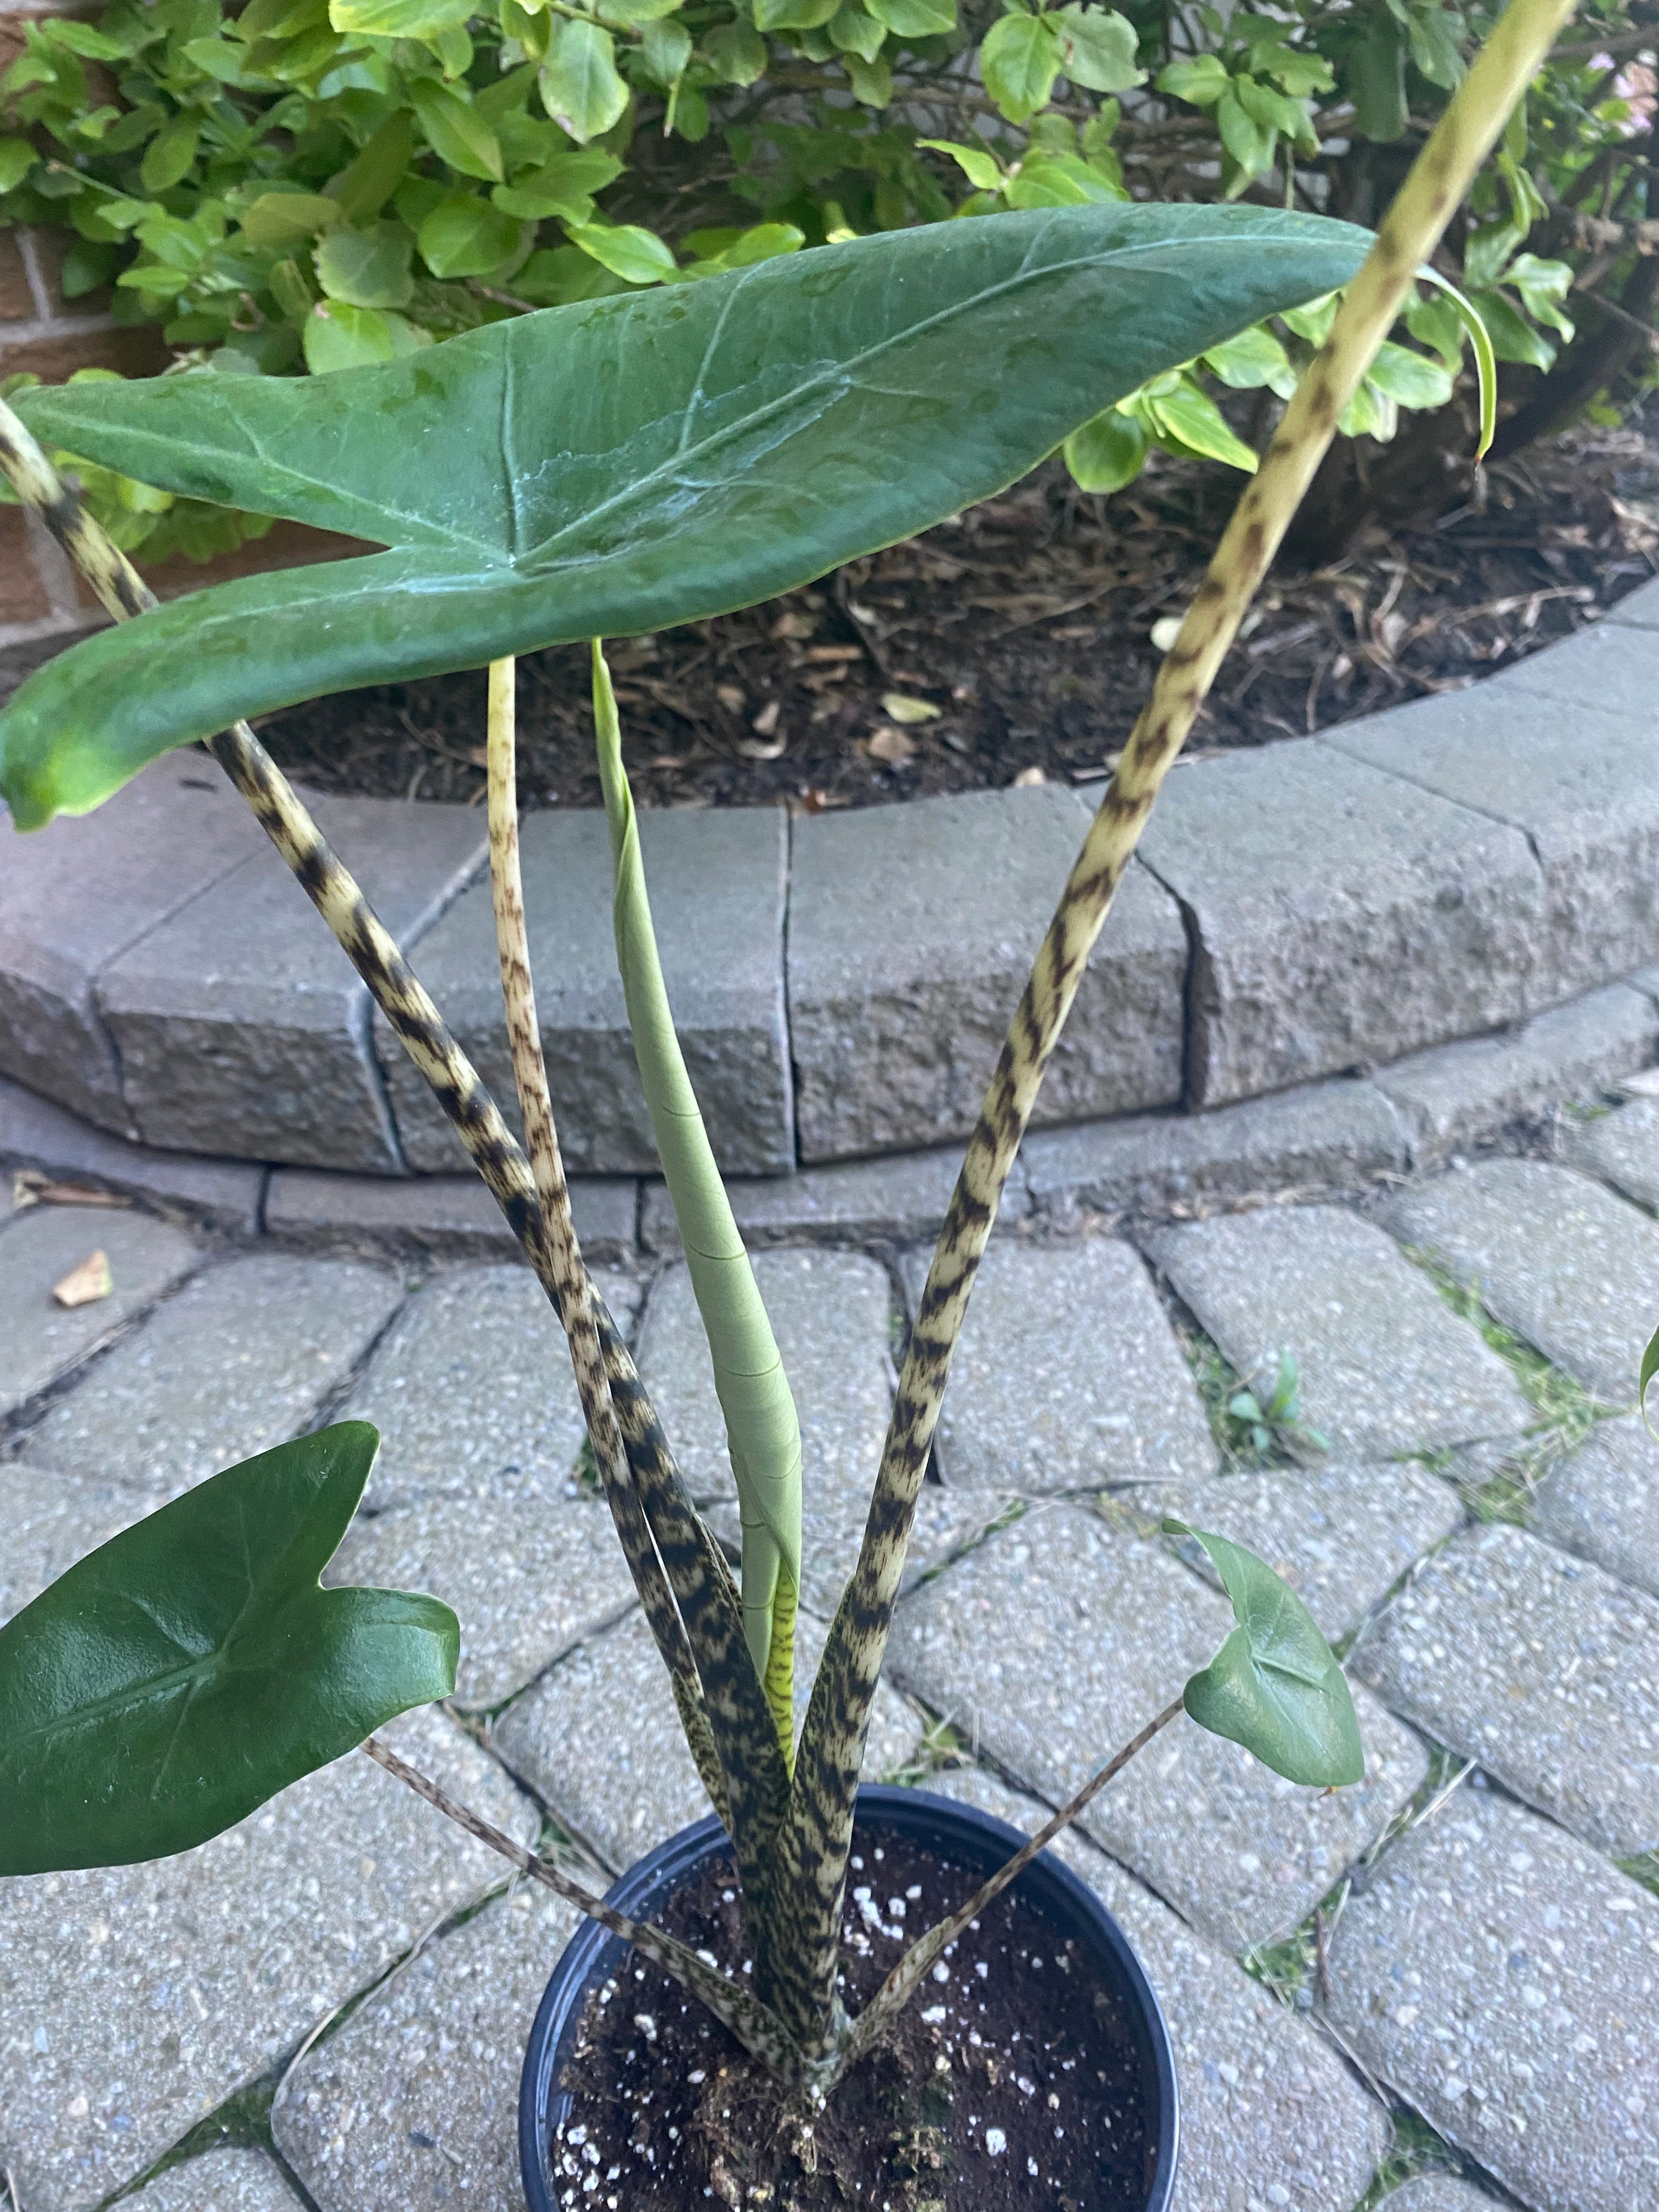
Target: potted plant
<point>601,468</point>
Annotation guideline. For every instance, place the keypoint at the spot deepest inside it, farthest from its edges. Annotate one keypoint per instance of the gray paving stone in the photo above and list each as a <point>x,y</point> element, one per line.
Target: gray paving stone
<point>239,1361</point>
<point>241,1024</point>
<point>472,1392</point>
<point>717,892</point>
<point>1342,1536</point>
<point>895,1025</point>
<point>219,2181</point>
<point>1540,1666</point>
<point>75,896</point>
<point>1270,2116</point>
<point>51,1521</point>
<point>1638,610</point>
<point>1506,1980</point>
<point>1050,1644</point>
<point>528,1575</point>
<point>1439,2192</point>
<point>599,1740</point>
<point>1385,1368</point>
<point>153,1991</point>
<point>1621,1147</point>
<point>1388,920</point>
<point>1324,1136</point>
<point>864,1201</point>
<point>415,2102</point>
<point>830,1314</point>
<point>1578,785</point>
<point>1603,1503</point>
<point>39,1338</point>
<point>1458,1094</point>
<point>1553,1256</point>
<point>1066,1376</point>
<point>450,1217</point>
<point>35,1134</point>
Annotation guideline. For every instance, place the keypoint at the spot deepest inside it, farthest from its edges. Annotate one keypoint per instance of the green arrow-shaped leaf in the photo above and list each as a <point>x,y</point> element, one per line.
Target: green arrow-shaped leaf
<point>1274,1686</point>
<point>622,463</point>
<point>190,1668</point>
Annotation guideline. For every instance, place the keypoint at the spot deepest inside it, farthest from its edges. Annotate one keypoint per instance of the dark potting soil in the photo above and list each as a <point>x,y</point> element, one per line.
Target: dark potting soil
<point>1012,2081</point>
<point>1020,642</point>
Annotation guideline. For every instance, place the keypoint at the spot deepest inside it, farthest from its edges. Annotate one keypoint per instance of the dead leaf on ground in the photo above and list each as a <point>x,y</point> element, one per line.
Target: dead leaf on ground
<point>1644,1084</point>
<point>886,743</point>
<point>1028,776</point>
<point>903,709</point>
<point>29,1187</point>
<point>85,1285</point>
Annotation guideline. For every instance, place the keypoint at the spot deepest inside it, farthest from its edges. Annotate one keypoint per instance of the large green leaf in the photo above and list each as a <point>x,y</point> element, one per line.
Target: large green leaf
<point>619,464</point>
<point>1274,1686</point>
<point>190,1668</point>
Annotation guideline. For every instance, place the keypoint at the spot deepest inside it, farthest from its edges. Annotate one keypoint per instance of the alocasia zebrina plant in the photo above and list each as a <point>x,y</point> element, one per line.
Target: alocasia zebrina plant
<point>597,469</point>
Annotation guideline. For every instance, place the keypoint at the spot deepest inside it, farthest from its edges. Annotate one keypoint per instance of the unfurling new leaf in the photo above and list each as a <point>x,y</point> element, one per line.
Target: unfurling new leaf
<point>191,1668</point>
<point>1274,1686</point>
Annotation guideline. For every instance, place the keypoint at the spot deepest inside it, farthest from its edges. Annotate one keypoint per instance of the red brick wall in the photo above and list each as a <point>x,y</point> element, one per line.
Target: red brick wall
<point>42,606</point>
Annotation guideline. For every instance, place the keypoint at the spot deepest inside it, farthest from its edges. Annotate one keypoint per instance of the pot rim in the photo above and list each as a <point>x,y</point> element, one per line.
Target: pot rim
<point>593,1952</point>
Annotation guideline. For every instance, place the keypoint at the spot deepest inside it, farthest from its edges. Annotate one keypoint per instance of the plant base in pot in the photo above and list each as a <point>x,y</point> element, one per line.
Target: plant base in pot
<point>1037,2071</point>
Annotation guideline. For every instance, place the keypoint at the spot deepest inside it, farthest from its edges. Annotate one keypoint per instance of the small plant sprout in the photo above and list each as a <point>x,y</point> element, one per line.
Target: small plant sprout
<point>1270,1415</point>
<point>599,469</point>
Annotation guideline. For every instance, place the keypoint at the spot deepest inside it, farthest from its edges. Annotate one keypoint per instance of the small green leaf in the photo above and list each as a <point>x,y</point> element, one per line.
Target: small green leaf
<point>1254,358</point>
<point>17,158</point>
<point>465,236</point>
<point>735,52</point>
<point>1188,421</point>
<point>284,218</point>
<point>191,1668</point>
<point>367,268</point>
<point>1201,82</point>
<point>636,255</point>
<point>368,183</point>
<point>1273,1685</point>
<point>853,32</point>
<point>338,335</point>
<point>581,87</point>
<point>1099,46</point>
<point>171,154</point>
<point>1410,379</point>
<point>1649,1369</point>
<point>1373,78</point>
<point>564,185</point>
<point>1020,58</point>
<point>872,81</point>
<point>915,19</point>
<point>792,14</point>
<point>977,163</point>
<point>665,48</point>
<point>400,18</point>
<point>1250,143</point>
<point>455,133</point>
<point>1107,453</point>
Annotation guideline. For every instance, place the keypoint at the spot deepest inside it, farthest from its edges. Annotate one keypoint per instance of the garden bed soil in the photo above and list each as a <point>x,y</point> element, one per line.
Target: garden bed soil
<point>1012,2083</point>
<point>1018,640</point>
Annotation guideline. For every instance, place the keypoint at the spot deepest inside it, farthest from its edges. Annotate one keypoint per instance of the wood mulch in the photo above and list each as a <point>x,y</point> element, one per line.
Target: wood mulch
<point>1017,642</point>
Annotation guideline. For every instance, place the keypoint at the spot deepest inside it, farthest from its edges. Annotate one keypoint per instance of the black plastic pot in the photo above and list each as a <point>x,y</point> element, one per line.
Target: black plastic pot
<point>968,1837</point>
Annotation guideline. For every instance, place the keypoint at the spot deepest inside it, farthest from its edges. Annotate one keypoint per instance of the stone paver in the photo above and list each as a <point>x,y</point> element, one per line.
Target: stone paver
<point>1051,1643</point>
<point>1460,1093</point>
<point>1506,1979</point>
<point>1578,785</point>
<point>1270,2116</point>
<point>877,1202</point>
<point>1394,920</point>
<point>219,2181</point>
<point>415,2102</point>
<point>155,1990</point>
<point>599,1740</point>
<point>472,1393</point>
<point>453,1217</point>
<point>1540,1666</point>
<point>33,1132</point>
<point>830,1312</point>
<point>241,1024</point>
<point>1322,1136</point>
<point>173,830</point>
<point>1385,1368</point>
<point>239,1361</point>
<point>1603,1501</point>
<point>896,1025</point>
<point>1554,1257</point>
<point>1622,1147</point>
<point>1067,1374</point>
<point>717,885</point>
<point>39,1338</point>
<point>51,1521</point>
<point>1341,1534</point>
<point>1440,2193</point>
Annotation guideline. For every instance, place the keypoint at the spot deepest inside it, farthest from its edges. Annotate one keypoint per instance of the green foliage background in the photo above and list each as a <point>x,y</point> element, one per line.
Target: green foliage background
<point>312,185</point>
